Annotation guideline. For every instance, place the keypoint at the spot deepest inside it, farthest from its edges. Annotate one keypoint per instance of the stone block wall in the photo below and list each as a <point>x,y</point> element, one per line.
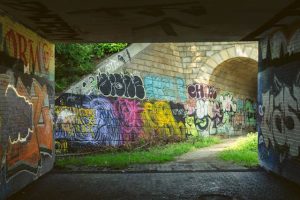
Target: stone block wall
<point>26,106</point>
<point>165,91</point>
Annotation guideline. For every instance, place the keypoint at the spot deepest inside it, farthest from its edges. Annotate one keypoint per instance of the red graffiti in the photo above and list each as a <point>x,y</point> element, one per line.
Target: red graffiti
<point>36,55</point>
<point>42,119</point>
<point>23,152</point>
<point>41,113</point>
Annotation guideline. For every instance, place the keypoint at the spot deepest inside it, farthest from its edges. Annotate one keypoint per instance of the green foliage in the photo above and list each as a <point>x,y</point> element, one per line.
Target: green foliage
<point>158,154</point>
<point>73,61</point>
<point>244,152</point>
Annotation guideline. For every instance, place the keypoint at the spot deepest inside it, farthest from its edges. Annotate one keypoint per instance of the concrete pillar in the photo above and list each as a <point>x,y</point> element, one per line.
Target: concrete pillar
<point>279,102</point>
<point>26,103</point>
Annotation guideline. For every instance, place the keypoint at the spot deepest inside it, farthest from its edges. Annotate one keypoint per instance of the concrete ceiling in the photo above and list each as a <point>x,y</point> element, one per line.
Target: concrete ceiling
<point>143,21</point>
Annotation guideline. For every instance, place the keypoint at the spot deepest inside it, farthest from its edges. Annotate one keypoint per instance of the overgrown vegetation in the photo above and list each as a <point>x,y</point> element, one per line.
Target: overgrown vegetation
<point>244,152</point>
<point>73,61</point>
<point>158,154</point>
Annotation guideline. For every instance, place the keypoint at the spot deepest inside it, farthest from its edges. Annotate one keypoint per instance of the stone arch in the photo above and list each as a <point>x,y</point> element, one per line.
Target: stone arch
<point>235,81</point>
<point>238,50</point>
<point>232,52</point>
<point>236,75</point>
<point>232,73</point>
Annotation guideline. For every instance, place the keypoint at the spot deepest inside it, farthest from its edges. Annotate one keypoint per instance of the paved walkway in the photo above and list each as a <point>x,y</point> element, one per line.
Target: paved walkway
<point>203,159</point>
<point>245,185</point>
<point>195,175</point>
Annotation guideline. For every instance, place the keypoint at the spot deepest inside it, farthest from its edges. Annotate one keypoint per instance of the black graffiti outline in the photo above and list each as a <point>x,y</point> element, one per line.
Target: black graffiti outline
<point>193,91</point>
<point>199,122</point>
<point>121,85</point>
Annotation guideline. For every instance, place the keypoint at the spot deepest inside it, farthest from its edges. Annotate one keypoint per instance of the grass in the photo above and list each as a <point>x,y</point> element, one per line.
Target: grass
<point>244,152</point>
<point>119,160</point>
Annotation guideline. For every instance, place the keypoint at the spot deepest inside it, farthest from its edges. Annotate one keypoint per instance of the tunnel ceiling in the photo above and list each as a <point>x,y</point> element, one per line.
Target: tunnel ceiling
<point>143,21</point>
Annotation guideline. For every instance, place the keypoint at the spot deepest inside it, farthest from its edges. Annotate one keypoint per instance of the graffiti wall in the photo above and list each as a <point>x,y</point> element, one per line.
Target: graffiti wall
<point>90,120</point>
<point>125,112</point>
<point>278,103</point>
<point>133,86</point>
<point>165,88</point>
<point>26,101</point>
<point>216,111</point>
<point>113,85</point>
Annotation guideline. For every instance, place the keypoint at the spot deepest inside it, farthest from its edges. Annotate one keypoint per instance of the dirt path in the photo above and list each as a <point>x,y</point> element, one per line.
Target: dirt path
<point>198,160</point>
<point>206,153</point>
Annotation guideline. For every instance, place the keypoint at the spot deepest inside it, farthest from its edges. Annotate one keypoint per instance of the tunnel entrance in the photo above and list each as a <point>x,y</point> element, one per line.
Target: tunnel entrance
<point>236,80</point>
<point>142,100</point>
<point>237,75</point>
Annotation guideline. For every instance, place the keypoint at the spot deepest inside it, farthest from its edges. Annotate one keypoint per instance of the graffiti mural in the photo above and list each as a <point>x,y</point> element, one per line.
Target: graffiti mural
<point>129,113</point>
<point>95,120</point>
<point>281,114</point>
<point>250,109</point>
<point>165,88</point>
<point>159,120</point>
<point>26,99</point>
<point>215,111</point>
<point>26,126</point>
<point>220,113</point>
<point>35,52</point>
<point>191,129</point>
<point>202,91</point>
<point>90,120</point>
<point>82,119</point>
<point>278,103</point>
<point>121,85</point>
<point>116,85</point>
<point>126,110</point>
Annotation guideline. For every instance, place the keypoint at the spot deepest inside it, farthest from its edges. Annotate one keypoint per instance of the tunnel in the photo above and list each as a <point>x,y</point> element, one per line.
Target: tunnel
<point>196,85</point>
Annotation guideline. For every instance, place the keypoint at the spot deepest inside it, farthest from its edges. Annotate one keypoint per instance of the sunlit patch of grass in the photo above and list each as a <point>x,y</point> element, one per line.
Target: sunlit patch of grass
<point>119,160</point>
<point>244,152</point>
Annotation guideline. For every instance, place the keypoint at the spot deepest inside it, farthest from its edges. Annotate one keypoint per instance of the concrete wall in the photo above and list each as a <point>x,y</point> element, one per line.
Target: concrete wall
<point>165,91</point>
<point>26,101</point>
<point>278,100</point>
